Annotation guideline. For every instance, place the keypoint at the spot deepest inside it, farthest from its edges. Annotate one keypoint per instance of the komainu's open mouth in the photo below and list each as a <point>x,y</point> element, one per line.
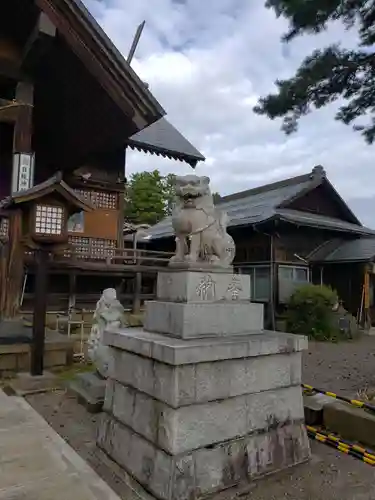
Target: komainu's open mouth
<point>190,196</point>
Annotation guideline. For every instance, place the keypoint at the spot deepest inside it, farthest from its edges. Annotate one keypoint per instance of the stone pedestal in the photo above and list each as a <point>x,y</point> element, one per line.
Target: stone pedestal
<point>189,416</point>
<point>90,390</point>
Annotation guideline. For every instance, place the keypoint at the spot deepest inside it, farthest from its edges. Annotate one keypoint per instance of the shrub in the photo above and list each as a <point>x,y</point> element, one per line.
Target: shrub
<point>309,312</point>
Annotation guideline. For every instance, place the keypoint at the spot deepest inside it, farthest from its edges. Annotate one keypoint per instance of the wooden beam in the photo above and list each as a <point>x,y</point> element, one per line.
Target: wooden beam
<point>38,43</point>
<point>23,126</point>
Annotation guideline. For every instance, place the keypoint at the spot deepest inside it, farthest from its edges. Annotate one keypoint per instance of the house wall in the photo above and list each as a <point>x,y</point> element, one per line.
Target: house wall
<point>346,279</point>
<point>321,201</point>
<point>292,242</point>
<point>251,246</point>
<point>104,186</point>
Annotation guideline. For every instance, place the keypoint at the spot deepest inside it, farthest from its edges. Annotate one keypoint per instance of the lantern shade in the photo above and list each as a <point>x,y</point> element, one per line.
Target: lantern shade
<point>47,219</point>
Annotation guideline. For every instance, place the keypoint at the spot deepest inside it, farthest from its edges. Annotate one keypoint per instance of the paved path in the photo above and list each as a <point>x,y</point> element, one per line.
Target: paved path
<point>37,464</point>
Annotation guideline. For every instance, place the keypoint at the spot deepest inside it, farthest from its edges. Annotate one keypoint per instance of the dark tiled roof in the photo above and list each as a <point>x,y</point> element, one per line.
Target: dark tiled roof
<point>358,250</point>
<point>54,183</point>
<point>163,139</point>
<point>259,205</point>
<point>322,221</point>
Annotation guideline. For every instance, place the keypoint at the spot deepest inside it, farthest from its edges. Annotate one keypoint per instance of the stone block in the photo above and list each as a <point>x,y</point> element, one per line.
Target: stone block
<point>25,384</point>
<point>197,320</point>
<point>204,471</point>
<point>177,430</point>
<point>90,390</point>
<point>190,286</point>
<point>109,394</point>
<point>175,351</point>
<point>354,424</point>
<point>209,381</point>
<point>314,406</point>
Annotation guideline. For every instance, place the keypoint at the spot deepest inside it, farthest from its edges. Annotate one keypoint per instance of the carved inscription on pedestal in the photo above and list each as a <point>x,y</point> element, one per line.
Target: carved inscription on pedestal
<point>235,288</point>
<point>206,288</point>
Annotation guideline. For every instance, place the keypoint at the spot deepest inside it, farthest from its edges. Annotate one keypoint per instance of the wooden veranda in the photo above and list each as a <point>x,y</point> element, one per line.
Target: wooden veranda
<point>131,271</point>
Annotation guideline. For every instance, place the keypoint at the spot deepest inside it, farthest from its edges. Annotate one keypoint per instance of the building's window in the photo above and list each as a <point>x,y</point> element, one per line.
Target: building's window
<point>293,273</point>
<point>290,278</point>
<point>91,248</point>
<point>100,199</point>
<point>260,282</point>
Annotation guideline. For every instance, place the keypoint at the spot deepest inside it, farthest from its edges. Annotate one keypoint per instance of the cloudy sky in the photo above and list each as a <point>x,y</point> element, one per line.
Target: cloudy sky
<point>207,62</point>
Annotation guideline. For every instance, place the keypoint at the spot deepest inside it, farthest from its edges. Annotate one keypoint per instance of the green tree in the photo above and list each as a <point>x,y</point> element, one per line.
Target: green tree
<point>216,197</point>
<point>329,74</point>
<point>169,192</point>
<point>145,198</point>
<point>149,197</point>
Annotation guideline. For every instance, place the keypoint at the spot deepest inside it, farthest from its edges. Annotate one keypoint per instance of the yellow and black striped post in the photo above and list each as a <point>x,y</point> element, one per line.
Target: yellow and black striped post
<point>342,445</point>
<point>353,402</point>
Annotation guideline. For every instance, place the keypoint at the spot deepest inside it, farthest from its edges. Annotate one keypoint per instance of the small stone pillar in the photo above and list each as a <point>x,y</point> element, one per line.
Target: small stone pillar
<point>203,398</point>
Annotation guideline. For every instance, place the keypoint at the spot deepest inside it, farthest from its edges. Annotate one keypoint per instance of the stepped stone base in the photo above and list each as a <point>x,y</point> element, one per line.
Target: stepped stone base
<point>90,390</point>
<point>203,398</point>
<point>187,418</point>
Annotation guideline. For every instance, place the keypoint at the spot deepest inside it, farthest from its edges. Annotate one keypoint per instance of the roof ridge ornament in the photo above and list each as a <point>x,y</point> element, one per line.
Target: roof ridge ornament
<point>318,172</point>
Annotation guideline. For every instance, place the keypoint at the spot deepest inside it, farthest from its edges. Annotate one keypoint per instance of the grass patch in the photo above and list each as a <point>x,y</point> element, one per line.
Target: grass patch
<point>67,374</point>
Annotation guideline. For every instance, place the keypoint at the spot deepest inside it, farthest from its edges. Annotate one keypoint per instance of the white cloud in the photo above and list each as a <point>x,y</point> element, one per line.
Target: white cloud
<point>207,63</point>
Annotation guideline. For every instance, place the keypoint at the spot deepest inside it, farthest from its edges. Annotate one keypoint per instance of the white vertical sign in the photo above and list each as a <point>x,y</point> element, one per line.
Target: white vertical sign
<point>23,172</point>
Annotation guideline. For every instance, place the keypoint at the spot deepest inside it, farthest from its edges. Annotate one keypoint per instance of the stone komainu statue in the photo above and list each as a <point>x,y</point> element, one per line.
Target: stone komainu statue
<point>200,227</point>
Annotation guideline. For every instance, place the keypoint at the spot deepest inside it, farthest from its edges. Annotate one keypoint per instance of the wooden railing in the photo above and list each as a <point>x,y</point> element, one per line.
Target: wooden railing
<point>109,256</point>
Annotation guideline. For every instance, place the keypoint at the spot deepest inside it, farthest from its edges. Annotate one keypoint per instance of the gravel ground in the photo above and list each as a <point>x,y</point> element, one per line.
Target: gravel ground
<point>344,368</point>
<point>331,475</point>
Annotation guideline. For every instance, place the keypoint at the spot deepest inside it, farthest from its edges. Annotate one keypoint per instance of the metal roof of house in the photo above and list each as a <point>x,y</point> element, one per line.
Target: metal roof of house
<point>358,250</point>
<point>163,139</point>
<point>254,206</point>
<point>265,203</point>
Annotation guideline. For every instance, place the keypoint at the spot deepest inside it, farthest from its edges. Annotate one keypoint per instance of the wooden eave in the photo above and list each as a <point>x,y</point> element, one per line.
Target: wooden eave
<point>50,186</point>
<point>89,42</point>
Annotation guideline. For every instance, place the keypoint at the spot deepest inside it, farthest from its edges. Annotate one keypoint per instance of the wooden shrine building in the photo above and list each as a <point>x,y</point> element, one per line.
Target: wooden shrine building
<point>70,102</point>
<point>292,232</point>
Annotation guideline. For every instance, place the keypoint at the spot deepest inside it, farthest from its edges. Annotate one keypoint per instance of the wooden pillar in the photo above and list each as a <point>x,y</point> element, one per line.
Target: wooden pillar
<point>72,290</point>
<point>22,178</point>
<point>121,218</point>
<point>121,207</point>
<point>274,283</point>
<point>367,317</point>
<point>137,293</point>
<point>40,309</point>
